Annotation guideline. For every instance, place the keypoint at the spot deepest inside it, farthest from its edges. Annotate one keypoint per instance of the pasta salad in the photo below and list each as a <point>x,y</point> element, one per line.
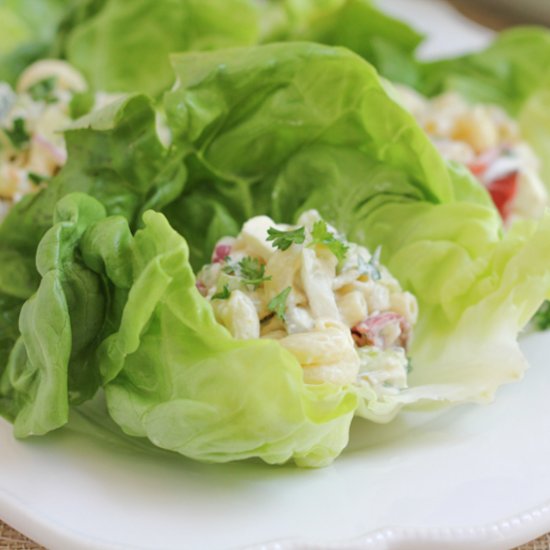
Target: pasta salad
<point>328,301</point>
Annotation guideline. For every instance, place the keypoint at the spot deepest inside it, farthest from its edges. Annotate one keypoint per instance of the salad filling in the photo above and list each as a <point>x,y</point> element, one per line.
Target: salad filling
<point>486,140</point>
<point>47,97</point>
<point>328,301</point>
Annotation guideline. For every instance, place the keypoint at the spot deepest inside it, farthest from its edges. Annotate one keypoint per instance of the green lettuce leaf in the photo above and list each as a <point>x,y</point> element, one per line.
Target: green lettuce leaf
<point>388,43</point>
<point>171,372</point>
<point>239,150</point>
<point>49,364</point>
<point>124,46</point>
<point>26,30</point>
<point>506,73</point>
<point>114,155</point>
<point>176,376</point>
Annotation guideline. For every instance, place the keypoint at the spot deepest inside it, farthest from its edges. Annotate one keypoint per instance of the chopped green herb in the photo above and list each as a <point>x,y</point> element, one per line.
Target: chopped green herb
<point>38,179</point>
<point>372,267</point>
<point>222,295</point>
<point>283,239</point>
<point>321,235</point>
<point>278,304</point>
<point>18,134</point>
<point>43,90</point>
<point>541,319</point>
<point>409,365</point>
<point>252,272</point>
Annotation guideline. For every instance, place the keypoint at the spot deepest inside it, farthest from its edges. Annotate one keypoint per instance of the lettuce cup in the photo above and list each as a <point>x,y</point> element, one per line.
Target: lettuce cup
<point>192,318</point>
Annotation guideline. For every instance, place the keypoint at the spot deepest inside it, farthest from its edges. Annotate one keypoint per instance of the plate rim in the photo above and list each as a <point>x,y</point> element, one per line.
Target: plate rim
<point>513,531</point>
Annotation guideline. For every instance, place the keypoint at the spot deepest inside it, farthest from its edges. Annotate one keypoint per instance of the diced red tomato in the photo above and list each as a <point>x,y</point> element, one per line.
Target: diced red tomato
<point>503,191</point>
<point>482,163</point>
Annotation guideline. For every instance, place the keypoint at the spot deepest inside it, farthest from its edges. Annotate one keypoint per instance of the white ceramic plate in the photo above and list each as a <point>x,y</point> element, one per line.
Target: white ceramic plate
<point>472,477</point>
<point>449,32</point>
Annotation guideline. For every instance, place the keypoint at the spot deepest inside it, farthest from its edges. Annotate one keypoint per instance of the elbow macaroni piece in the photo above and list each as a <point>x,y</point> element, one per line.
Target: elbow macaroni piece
<point>476,128</point>
<point>317,275</point>
<point>353,307</point>
<point>68,78</point>
<point>298,319</point>
<point>377,296</point>
<point>282,270</point>
<point>253,238</point>
<point>406,305</point>
<point>238,315</point>
<point>327,354</point>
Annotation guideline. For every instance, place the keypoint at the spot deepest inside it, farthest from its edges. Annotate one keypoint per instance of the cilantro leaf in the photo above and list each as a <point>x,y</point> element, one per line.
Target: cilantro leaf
<point>223,294</point>
<point>252,272</point>
<point>278,304</point>
<point>283,239</point>
<point>372,267</point>
<point>321,235</point>
<point>43,90</point>
<point>541,318</point>
<point>18,135</point>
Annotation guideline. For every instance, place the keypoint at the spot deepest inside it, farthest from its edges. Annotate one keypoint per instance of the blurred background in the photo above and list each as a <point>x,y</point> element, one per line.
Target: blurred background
<point>498,14</point>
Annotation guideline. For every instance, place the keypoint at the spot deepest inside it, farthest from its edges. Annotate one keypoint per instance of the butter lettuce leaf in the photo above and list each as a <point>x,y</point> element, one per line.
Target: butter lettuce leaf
<point>386,42</point>
<point>27,29</point>
<point>170,371</point>
<point>114,155</point>
<point>290,127</point>
<point>49,363</point>
<point>125,46</point>
<point>173,374</point>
